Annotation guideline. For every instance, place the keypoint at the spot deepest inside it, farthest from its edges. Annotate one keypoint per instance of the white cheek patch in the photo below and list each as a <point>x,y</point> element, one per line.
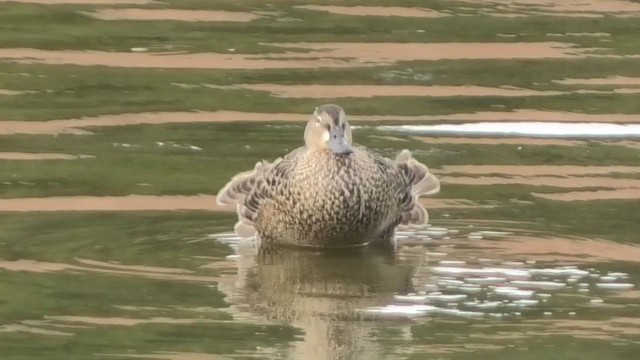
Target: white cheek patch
<point>325,136</point>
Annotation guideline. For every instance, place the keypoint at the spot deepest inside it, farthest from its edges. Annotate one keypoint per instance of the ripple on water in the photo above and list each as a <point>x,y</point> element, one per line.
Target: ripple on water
<point>463,283</point>
<point>615,286</point>
<point>544,285</point>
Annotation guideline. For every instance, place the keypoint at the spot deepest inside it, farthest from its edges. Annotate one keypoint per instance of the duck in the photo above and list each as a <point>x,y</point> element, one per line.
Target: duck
<point>329,192</point>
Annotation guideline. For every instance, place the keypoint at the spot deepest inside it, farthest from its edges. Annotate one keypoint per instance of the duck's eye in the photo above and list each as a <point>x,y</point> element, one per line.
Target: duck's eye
<point>318,119</point>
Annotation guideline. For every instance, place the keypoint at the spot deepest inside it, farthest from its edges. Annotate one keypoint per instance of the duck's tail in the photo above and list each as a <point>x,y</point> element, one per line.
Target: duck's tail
<point>422,182</point>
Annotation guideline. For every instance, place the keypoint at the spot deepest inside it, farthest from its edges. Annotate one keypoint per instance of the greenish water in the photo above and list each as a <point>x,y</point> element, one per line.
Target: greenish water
<point>532,250</point>
<point>157,285</point>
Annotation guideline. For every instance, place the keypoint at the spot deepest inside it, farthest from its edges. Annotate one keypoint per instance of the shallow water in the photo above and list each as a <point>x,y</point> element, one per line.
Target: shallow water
<point>180,286</point>
<point>112,246</point>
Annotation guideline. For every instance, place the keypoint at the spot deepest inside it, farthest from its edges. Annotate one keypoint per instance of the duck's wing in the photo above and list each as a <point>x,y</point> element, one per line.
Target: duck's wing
<point>250,189</point>
<point>409,179</point>
<point>267,187</point>
<point>241,184</point>
<point>421,182</point>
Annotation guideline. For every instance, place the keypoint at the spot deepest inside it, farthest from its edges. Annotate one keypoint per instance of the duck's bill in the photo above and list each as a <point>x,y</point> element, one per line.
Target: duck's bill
<point>339,146</point>
<point>337,142</point>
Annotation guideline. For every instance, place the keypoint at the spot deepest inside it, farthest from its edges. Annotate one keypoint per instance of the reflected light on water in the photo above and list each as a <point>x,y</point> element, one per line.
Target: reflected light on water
<point>436,274</point>
<point>524,128</point>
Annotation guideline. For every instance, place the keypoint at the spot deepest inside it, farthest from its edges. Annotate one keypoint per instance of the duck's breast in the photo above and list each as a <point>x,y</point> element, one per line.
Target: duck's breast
<point>346,192</point>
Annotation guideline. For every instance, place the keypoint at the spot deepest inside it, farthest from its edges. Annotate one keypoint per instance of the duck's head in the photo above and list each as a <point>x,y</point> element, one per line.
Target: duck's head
<point>328,129</point>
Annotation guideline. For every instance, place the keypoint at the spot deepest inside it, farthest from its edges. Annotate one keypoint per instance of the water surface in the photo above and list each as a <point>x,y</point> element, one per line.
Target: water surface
<point>116,133</point>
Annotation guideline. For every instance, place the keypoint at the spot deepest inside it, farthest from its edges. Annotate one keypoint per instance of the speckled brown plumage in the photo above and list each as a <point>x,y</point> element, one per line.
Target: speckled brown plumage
<point>315,197</point>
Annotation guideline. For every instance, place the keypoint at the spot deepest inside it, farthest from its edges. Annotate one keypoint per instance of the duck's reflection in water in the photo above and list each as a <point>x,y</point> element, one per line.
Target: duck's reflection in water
<point>476,279</point>
<point>321,293</point>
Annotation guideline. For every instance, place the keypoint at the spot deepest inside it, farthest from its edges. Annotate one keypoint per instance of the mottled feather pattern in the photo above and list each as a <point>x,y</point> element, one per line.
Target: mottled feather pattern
<point>329,192</point>
<point>241,184</point>
<point>320,204</point>
<point>318,198</point>
<point>421,182</point>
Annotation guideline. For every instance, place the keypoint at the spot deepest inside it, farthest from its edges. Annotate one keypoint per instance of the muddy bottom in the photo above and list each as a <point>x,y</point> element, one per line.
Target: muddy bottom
<point>376,11</point>
<point>364,91</point>
<point>80,2</point>
<point>562,8</point>
<point>40,156</point>
<point>318,55</point>
<point>76,126</point>
<point>171,14</point>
